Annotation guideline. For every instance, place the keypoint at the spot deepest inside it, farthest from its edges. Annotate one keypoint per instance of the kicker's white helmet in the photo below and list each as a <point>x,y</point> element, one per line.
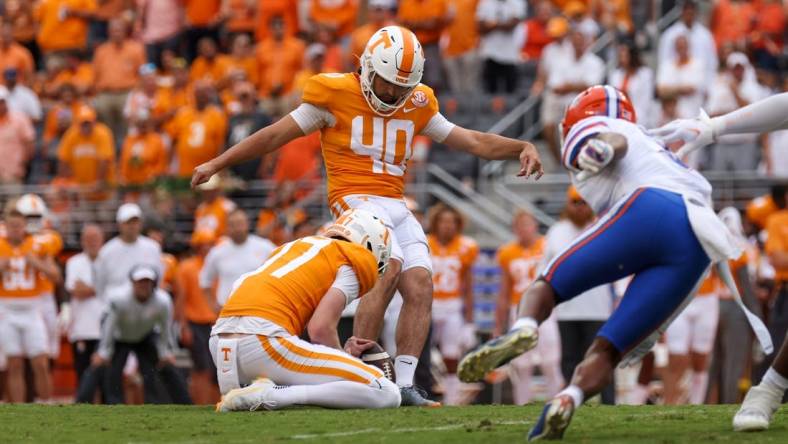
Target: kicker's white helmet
<point>34,209</point>
<point>363,228</point>
<point>395,54</point>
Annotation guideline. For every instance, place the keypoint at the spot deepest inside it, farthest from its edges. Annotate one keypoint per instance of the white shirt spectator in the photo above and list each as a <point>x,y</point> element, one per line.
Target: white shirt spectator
<point>552,54</point>
<point>639,87</point>
<point>85,313</point>
<point>502,46</point>
<point>595,304</point>
<point>691,74</point>
<point>22,99</point>
<point>566,68</point>
<point>116,259</point>
<point>701,43</point>
<point>130,321</point>
<point>228,261</point>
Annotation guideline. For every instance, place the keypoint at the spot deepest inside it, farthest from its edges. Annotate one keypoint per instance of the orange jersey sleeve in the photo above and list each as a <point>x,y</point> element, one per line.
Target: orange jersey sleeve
<point>365,153</point>
<point>287,289</point>
<point>450,263</point>
<point>19,279</point>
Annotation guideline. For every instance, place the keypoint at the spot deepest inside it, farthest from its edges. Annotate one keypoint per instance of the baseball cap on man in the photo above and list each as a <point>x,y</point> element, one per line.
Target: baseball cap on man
<point>127,212</point>
<point>142,272</point>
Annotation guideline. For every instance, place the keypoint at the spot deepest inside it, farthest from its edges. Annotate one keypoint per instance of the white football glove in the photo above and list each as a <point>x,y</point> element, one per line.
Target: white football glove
<point>694,133</point>
<point>594,156</point>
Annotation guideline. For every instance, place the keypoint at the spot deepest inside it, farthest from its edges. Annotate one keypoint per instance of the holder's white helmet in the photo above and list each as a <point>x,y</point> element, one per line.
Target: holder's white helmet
<point>363,228</point>
<point>34,209</point>
<point>395,54</point>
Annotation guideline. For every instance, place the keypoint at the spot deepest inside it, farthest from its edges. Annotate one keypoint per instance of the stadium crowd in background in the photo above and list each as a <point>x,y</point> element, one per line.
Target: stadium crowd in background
<point>106,101</point>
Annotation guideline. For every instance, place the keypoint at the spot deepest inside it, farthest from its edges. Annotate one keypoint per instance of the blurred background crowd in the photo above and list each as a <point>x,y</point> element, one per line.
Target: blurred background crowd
<point>111,103</point>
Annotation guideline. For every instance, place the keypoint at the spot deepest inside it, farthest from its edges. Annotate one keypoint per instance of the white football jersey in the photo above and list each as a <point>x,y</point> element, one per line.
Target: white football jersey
<point>647,163</point>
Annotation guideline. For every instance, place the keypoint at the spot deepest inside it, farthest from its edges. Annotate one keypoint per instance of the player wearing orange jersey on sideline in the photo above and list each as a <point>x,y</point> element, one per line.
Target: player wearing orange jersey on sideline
<point>367,122</point>
<point>35,211</point>
<point>304,285</point>
<point>196,316</point>
<point>24,264</point>
<point>520,261</point>
<point>452,307</point>
<point>211,214</point>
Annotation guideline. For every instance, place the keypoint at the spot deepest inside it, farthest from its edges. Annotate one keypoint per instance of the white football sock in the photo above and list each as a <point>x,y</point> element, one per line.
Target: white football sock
<point>575,393</point>
<point>335,395</point>
<point>698,385</point>
<point>774,380</point>
<point>405,368</point>
<point>524,322</point>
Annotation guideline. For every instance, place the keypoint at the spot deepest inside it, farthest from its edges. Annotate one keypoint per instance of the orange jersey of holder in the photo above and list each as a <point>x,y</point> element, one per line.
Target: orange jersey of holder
<point>19,279</point>
<point>522,265</point>
<point>365,153</point>
<point>450,263</point>
<point>288,287</point>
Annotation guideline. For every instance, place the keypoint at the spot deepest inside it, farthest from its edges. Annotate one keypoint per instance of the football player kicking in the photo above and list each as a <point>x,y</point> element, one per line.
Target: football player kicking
<point>658,225</point>
<point>261,363</point>
<point>769,114</point>
<point>367,122</point>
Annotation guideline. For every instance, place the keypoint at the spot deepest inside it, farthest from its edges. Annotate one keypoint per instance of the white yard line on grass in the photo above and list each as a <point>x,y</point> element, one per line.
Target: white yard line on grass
<point>408,430</point>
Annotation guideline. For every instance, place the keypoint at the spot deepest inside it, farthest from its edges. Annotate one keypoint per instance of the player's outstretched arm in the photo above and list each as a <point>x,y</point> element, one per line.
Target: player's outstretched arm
<point>495,147</point>
<point>766,115</point>
<point>261,143</point>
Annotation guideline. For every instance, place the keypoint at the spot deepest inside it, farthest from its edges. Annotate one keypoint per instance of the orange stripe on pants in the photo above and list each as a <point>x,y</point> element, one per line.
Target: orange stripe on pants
<point>375,373</point>
<point>308,369</point>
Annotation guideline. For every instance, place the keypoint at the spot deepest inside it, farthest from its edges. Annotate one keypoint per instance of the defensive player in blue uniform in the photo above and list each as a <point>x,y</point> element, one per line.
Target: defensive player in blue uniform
<point>656,223</point>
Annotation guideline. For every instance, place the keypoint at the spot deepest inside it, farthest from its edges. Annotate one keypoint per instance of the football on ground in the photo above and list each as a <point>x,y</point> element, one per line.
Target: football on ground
<point>450,425</point>
<point>379,358</point>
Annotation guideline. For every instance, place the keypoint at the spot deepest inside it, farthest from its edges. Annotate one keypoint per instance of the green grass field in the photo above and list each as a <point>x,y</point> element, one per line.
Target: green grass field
<point>478,424</point>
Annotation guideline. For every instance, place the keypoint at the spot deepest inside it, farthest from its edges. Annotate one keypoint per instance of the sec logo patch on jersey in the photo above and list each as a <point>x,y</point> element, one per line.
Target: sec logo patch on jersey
<point>419,99</point>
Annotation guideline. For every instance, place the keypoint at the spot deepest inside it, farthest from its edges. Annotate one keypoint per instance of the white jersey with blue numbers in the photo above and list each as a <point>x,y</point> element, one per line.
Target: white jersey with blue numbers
<point>646,164</point>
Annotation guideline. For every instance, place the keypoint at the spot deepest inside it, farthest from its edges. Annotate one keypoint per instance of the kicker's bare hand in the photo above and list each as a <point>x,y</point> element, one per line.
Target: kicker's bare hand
<point>202,174</point>
<point>356,346</point>
<point>530,163</point>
